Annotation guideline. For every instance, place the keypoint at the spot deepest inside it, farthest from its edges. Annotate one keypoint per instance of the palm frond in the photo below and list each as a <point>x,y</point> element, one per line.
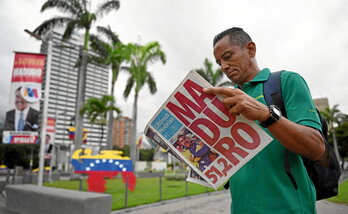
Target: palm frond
<point>70,7</point>
<point>99,46</point>
<point>45,27</point>
<point>151,83</point>
<point>129,86</point>
<point>106,7</point>
<point>70,27</point>
<point>203,74</point>
<point>109,34</point>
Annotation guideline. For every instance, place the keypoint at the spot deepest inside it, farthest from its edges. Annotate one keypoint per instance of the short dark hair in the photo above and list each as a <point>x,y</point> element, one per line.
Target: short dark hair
<point>237,36</point>
<point>18,89</point>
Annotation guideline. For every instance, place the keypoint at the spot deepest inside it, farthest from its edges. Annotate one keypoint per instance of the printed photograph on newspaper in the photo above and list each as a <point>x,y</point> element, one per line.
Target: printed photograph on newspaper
<point>200,132</point>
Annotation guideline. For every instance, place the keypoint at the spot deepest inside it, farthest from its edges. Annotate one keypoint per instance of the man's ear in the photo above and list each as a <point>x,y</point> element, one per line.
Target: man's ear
<point>251,47</point>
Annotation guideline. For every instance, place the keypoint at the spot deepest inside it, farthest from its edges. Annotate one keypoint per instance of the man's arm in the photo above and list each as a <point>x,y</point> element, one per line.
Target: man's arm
<point>10,120</point>
<point>299,139</point>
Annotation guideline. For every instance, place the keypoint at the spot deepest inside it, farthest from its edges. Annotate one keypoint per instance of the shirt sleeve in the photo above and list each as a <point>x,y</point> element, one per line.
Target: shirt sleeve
<point>298,100</point>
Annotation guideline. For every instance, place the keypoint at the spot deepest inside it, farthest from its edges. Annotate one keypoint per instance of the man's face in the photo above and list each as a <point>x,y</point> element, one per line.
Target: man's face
<point>48,138</point>
<point>20,103</point>
<point>235,61</point>
<point>183,140</point>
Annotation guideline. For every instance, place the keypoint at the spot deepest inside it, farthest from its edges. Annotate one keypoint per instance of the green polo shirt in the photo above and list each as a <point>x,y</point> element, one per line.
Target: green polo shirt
<point>262,185</point>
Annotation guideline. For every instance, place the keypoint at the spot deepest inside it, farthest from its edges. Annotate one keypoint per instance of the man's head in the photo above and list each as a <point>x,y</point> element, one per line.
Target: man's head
<point>184,140</point>
<point>236,35</point>
<point>235,52</point>
<point>20,102</point>
<point>48,138</point>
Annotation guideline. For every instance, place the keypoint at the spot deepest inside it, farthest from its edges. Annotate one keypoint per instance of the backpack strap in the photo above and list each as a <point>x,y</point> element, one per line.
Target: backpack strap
<point>272,93</point>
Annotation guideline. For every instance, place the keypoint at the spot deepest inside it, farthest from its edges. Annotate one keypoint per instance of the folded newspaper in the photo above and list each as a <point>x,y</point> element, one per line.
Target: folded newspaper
<point>196,128</point>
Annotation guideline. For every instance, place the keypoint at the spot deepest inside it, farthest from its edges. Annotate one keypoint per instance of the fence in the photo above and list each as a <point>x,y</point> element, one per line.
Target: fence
<point>151,188</point>
<point>18,175</point>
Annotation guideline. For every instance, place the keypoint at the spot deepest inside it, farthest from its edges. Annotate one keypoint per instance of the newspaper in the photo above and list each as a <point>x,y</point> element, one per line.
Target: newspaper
<point>197,130</point>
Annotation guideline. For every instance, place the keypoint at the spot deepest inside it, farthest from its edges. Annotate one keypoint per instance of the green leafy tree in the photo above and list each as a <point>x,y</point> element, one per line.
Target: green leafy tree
<point>18,155</point>
<point>125,150</point>
<point>112,53</point>
<point>140,57</point>
<point>146,154</point>
<point>78,17</point>
<point>215,77</point>
<point>342,140</point>
<point>334,117</point>
<point>97,110</point>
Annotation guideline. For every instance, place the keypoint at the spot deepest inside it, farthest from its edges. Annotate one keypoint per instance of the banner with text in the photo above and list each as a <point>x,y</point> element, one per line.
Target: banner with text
<point>197,129</point>
<point>24,96</point>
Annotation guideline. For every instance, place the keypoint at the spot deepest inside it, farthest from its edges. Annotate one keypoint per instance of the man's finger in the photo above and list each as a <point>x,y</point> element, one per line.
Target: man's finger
<point>226,92</point>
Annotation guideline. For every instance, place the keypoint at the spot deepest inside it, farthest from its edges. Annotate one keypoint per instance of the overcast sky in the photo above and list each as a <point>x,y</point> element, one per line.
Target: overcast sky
<point>309,37</point>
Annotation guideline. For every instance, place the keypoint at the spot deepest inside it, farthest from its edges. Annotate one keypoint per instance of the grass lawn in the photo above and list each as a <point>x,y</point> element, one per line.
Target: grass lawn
<point>342,196</point>
<point>147,190</point>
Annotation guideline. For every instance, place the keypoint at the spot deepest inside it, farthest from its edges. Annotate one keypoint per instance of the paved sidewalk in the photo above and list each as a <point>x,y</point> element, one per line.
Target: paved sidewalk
<point>217,202</point>
<point>208,203</point>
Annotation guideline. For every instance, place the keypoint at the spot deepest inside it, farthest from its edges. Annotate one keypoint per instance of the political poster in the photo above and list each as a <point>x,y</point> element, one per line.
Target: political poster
<point>22,115</point>
<point>50,137</point>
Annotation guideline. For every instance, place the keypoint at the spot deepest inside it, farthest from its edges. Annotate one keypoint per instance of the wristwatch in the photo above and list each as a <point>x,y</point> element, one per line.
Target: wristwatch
<point>274,115</point>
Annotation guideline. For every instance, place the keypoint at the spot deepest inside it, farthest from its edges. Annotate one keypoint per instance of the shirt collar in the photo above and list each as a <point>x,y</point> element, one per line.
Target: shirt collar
<point>25,112</point>
<point>262,76</point>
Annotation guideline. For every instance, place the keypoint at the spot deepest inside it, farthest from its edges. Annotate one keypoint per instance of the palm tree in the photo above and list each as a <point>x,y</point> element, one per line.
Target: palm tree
<point>112,53</point>
<point>334,116</point>
<point>140,57</point>
<point>97,110</point>
<point>78,16</point>
<point>214,77</point>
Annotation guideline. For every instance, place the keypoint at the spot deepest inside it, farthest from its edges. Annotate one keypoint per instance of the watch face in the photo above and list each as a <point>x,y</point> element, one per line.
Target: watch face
<point>276,111</point>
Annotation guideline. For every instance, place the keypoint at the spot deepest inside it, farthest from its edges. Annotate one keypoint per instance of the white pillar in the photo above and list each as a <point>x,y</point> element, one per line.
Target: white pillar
<point>45,113</point>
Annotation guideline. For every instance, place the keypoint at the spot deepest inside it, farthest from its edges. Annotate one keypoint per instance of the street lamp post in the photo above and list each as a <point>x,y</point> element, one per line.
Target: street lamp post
<point>54,153</point>
<point>45,105</point>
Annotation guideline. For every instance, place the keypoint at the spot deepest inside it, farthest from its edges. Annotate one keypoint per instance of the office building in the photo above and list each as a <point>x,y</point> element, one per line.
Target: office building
<point>122,131</point>
<point>63,90</point>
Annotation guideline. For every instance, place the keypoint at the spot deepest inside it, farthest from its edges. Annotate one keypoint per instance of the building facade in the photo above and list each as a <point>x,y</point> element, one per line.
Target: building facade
<point>63,91</point>
<point>122,131</point>
<point>321,103</point>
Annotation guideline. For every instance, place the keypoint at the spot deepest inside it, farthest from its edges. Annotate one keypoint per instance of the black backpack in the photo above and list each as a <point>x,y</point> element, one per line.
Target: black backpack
<point>324,178</point>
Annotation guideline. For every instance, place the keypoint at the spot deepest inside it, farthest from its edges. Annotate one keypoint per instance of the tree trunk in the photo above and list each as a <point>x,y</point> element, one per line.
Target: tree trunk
<point>335,144</point>
<point>102,135</point>
<point>80,100</point>
<point>110,122</point>
<point>134,131</point>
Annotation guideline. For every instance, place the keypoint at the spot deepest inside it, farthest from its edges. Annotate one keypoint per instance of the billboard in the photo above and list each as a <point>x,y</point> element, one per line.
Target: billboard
<point>22,115</point>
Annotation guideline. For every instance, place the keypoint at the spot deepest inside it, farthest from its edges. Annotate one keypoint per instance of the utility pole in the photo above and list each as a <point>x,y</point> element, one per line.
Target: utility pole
<point>45,103</point>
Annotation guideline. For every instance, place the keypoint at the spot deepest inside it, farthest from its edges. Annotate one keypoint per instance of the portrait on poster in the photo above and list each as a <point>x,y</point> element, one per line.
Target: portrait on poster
<point>25,92</point>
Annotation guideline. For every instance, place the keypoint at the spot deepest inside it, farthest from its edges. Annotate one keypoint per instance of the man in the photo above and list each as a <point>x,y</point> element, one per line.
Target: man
<point>262,185</point>
<point>23,117</point>
<point>48,145</point>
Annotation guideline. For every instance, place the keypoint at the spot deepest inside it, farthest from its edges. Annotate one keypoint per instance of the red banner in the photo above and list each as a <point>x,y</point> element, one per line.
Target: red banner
<point>24,137</point>
<point>28,67</point>
<point>51,124</point>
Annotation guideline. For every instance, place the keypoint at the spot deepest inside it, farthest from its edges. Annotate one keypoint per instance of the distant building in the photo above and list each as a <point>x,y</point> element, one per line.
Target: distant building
<point>122,131</point>
<point>321,103</point>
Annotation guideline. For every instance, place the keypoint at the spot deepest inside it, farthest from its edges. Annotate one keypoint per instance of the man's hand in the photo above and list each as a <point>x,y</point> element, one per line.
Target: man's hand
<point>237,102</point>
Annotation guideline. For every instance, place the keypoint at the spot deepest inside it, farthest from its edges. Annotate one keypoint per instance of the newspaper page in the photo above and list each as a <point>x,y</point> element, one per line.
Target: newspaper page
<point>197,129</point>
